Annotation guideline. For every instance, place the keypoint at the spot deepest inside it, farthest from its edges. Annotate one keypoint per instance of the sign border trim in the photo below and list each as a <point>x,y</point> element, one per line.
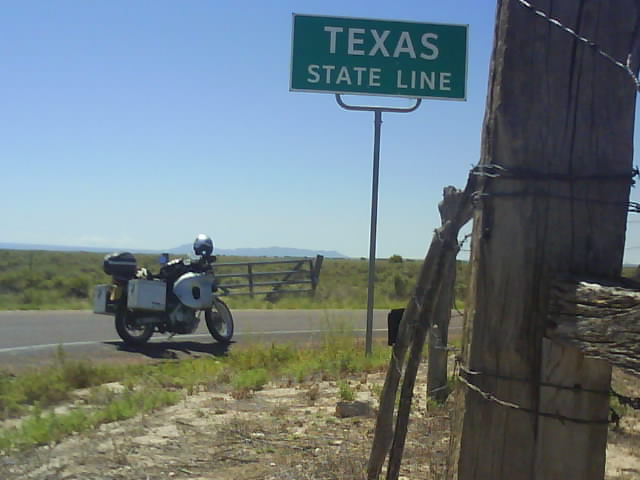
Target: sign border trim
<point>451,99</point>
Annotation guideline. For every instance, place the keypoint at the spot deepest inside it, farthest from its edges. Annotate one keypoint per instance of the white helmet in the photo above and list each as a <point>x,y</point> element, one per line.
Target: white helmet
<point>203,245</point>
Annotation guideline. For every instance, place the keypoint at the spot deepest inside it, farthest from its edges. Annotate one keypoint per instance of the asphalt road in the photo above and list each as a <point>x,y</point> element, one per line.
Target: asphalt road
<point>32,337</point>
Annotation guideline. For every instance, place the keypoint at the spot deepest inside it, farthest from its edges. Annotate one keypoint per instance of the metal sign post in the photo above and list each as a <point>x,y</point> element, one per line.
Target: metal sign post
<point>374,201</point>
<point>361,56</point>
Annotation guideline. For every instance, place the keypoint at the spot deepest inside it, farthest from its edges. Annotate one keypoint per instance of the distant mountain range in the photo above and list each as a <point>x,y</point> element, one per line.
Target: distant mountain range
<point>184,250</point>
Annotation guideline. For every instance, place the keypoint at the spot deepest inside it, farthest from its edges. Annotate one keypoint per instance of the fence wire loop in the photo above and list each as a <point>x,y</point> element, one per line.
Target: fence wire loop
<point>476,198</point>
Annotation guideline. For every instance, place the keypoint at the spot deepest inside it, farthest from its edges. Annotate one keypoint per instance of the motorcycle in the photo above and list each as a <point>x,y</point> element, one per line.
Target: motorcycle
<point>173,301</point>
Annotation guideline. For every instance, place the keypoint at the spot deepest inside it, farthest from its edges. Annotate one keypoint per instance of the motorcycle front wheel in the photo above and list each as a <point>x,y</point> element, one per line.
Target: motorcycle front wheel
<point>219,321</point>
<point>129,333</point>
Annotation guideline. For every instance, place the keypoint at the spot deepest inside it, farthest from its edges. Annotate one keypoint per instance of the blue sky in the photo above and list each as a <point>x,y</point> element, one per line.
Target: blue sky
<point>140,124</point>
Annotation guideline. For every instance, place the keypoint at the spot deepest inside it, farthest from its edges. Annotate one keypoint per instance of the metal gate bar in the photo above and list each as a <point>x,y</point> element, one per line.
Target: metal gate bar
<point>297,275</point>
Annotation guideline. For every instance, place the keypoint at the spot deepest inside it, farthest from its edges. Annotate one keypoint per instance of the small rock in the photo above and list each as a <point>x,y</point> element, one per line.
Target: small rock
<point>353,409</point>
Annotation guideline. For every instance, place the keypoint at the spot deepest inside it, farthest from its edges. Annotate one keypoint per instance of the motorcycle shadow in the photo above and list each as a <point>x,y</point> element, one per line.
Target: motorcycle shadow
<point>174,350</point>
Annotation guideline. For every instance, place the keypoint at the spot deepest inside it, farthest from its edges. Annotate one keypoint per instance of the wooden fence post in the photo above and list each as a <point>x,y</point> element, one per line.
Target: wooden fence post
<point>455,211</point>
<point>556,163</point>
<point>438,337</point>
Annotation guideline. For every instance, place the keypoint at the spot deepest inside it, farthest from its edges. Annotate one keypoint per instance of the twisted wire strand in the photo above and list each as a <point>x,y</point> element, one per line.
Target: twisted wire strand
<point>590,43</point>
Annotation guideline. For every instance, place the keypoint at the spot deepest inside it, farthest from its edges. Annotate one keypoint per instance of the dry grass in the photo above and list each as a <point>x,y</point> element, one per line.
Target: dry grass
<point>288,433</point>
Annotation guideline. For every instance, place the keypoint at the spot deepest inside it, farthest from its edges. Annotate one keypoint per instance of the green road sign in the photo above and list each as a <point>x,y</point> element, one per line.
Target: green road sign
<point>378,57</point>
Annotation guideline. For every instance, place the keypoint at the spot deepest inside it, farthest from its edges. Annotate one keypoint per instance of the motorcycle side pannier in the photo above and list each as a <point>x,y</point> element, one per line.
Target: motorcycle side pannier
<point>101,296</point>
<point>146,295</point>
<point>120,265</point>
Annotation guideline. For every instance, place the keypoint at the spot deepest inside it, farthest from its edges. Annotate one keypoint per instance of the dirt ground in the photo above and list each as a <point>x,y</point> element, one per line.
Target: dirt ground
<point>281,432</point>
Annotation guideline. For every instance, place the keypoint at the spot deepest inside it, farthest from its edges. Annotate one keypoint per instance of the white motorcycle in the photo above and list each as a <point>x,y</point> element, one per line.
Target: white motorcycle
<point>173,301</point>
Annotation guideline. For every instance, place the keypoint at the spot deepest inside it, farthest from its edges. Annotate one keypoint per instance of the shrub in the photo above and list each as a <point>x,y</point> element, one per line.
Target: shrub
<point>345,391</point>
<point>400,286</point>
<point>45,280</point>
<point>249,381</point>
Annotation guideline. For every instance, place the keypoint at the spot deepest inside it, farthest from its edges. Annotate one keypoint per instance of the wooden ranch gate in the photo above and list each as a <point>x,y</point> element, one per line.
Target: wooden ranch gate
<point>271,278</point>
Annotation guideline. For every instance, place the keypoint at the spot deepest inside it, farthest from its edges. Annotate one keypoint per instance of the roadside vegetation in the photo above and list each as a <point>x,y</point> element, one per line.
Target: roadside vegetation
<point>46,405</point>
<point>33,280</point>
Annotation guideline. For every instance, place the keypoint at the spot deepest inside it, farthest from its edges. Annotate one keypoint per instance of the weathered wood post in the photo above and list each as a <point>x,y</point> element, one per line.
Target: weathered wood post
<point>455,212</point>
<point>602,321</point>
<point>439,336</point>
<point>557,161</point>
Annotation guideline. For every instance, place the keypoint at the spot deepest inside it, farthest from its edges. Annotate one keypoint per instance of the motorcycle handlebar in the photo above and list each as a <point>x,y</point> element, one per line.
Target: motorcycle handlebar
<point>205,262</point>
<point>202,265</point>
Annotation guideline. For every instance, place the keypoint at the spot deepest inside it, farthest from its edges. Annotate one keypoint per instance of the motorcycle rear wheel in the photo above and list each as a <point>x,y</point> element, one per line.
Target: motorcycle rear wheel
<point>129,333</point>
<point>219,321</point>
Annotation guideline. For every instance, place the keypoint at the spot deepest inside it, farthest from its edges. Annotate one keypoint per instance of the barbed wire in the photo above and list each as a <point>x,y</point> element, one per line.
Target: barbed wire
<point>460,369</point>
<point>445,348</point>
<point>563,418</point>
<point>626,66</point>
<point>574,388</point>
<point>632,207</point>
<point>633,402</point>
<point>436,390</point>
<point>464,240</point>
<point>494,170</point>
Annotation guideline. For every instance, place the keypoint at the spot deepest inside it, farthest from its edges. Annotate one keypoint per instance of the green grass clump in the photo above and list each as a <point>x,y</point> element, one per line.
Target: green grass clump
<point>270,357</point>
<point>51,385</point>
<point>339,354</point>
<point>143,388</point>
<point>335,360</point>
<point>132,403</point>
<point>188,374</point>
<point>248,381</point>
<point>345,391</point>
<point>42,429</point>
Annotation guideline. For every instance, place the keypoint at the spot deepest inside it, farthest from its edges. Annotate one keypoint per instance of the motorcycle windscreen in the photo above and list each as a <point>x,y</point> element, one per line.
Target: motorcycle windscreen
<point>195,290</point>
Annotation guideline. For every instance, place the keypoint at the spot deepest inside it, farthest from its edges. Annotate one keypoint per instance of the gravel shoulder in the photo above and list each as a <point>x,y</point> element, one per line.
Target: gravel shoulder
<point>281,432</point>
